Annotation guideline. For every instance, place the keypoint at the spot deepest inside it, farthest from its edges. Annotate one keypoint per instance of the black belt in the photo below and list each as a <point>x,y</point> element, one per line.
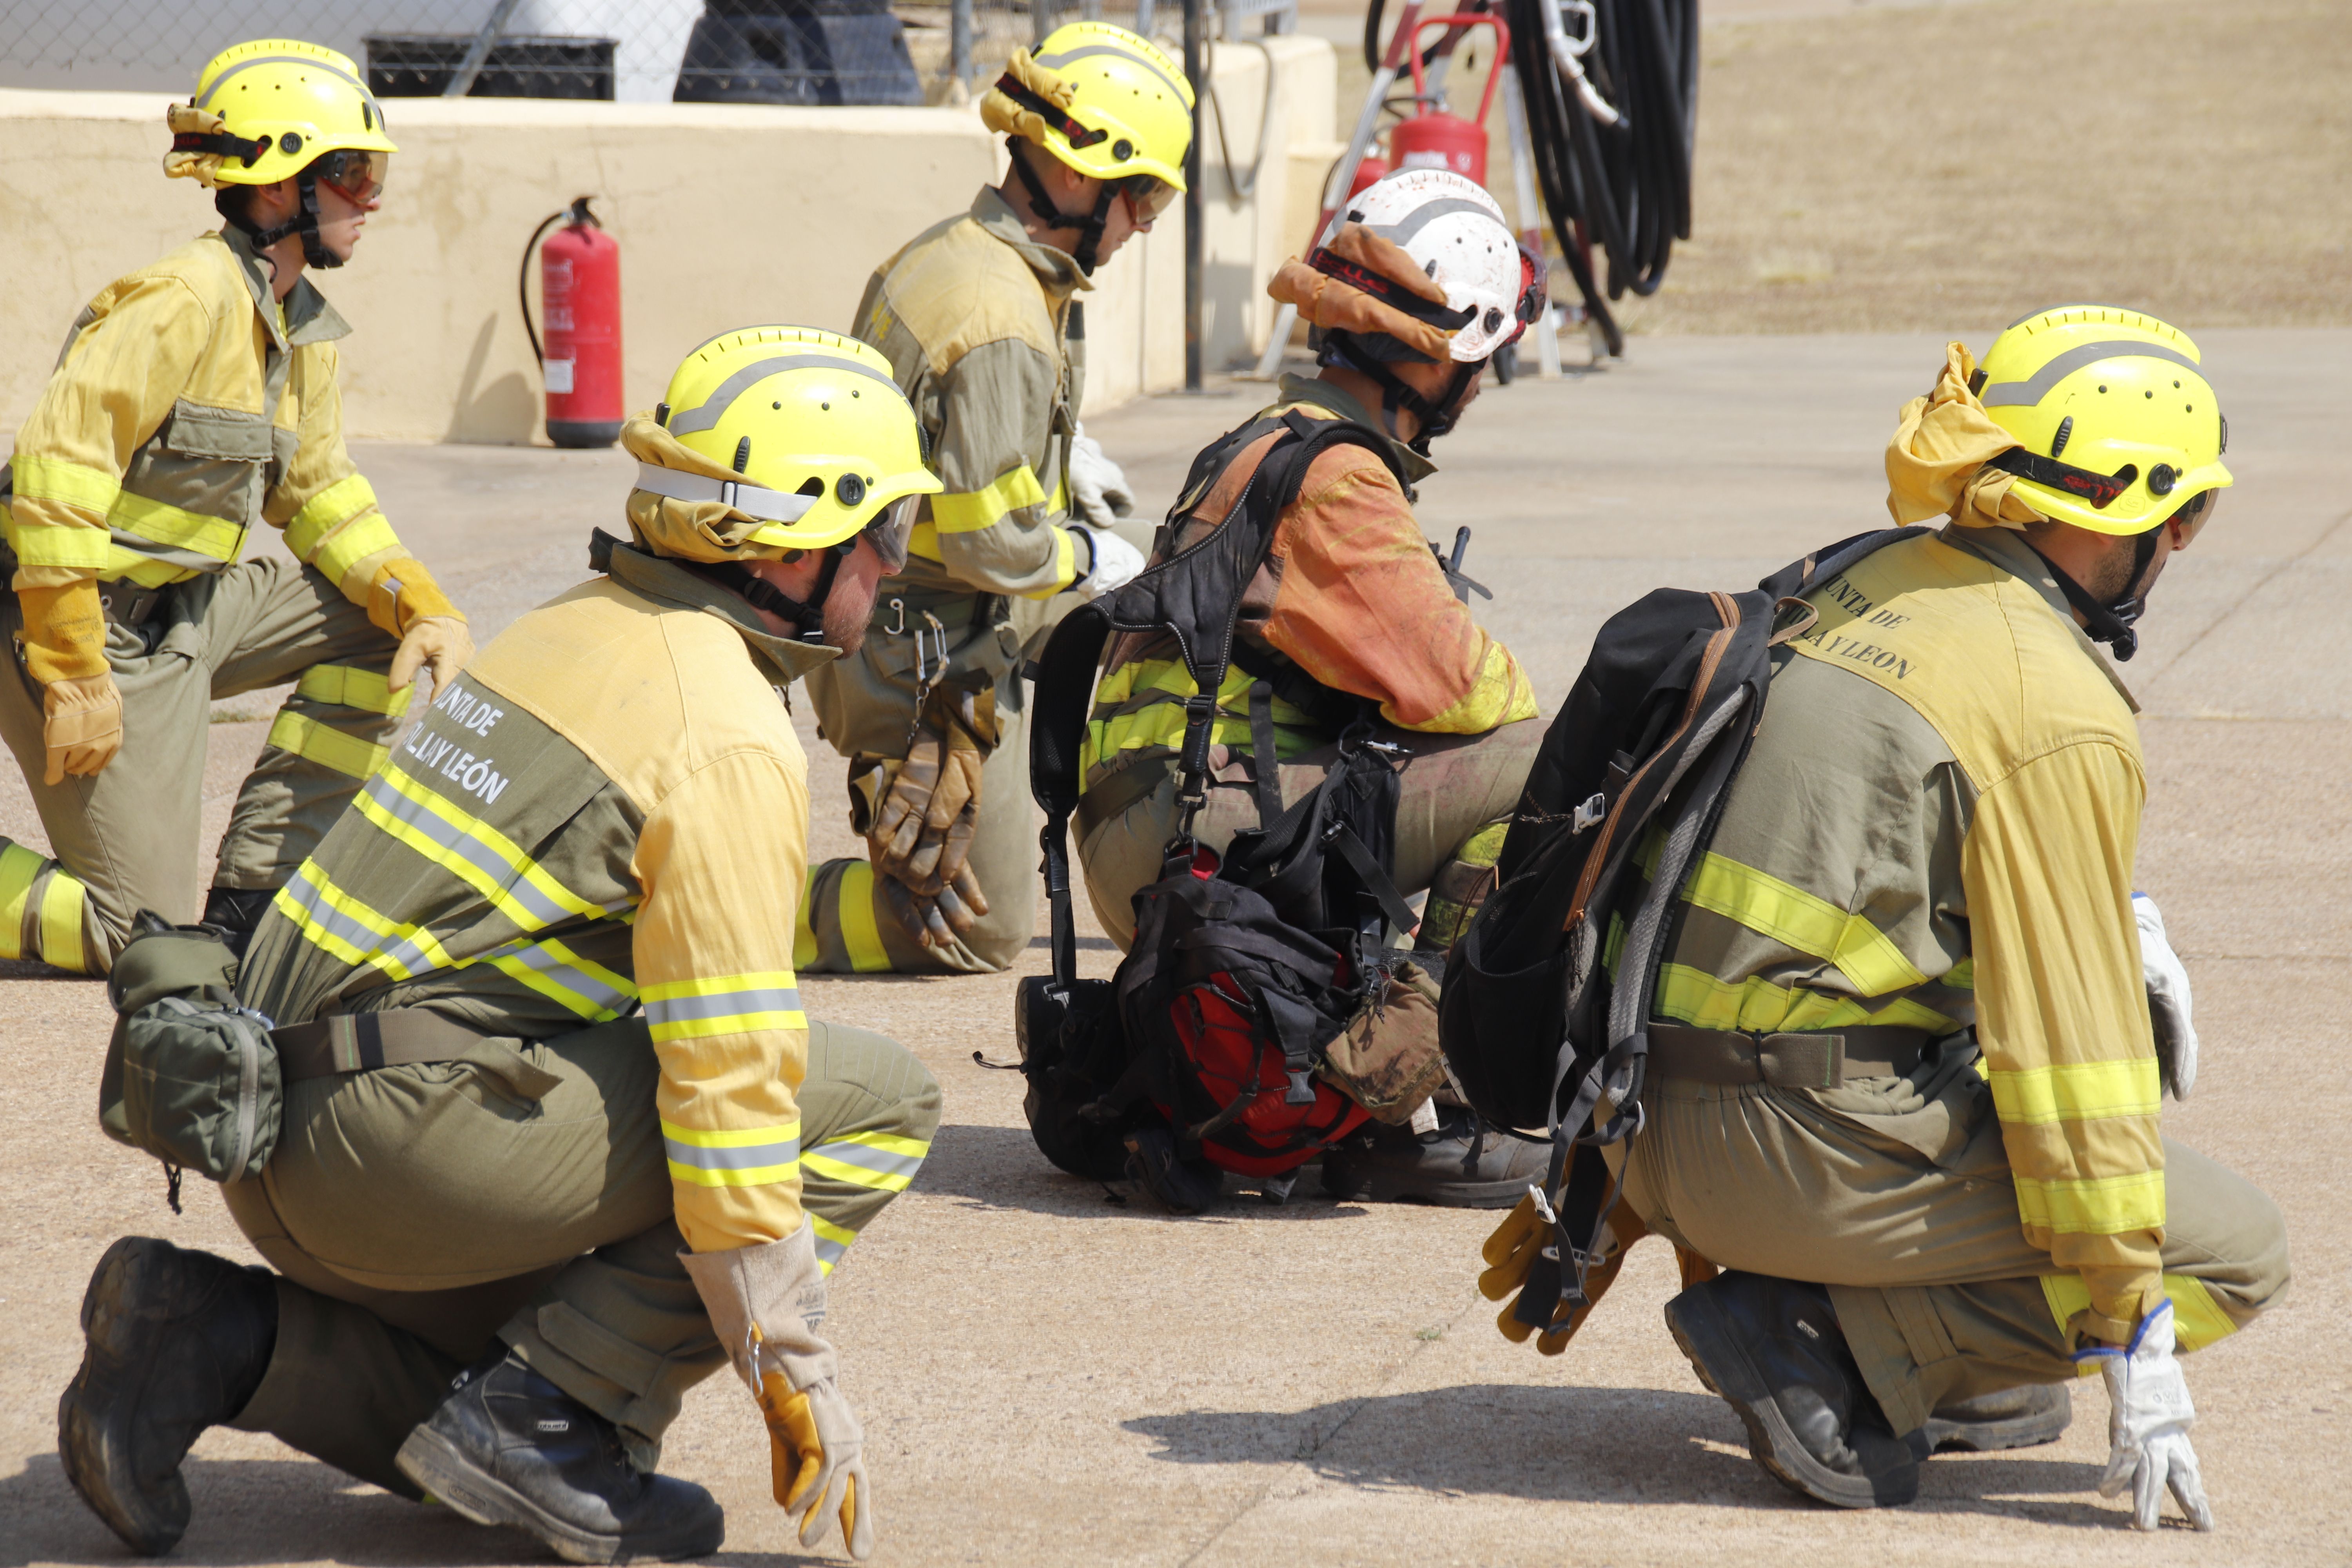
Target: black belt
<point>129,605</point>
<point>358,1042</point>
<point>1785,1061</point>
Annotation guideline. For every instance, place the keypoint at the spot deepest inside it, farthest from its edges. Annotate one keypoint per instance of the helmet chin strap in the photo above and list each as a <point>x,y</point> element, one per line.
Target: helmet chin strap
<point>807,617</point>
<point>305,223</point>
<point>1435,419</point>
<point>1042,203</point>
<point>2112,623</point>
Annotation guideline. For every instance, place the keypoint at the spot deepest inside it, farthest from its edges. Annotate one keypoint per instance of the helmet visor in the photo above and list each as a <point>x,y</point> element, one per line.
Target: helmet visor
<point>356,172</point>
<point>1148,196</point>
<point>889,531</point>
<point>2195,513</point>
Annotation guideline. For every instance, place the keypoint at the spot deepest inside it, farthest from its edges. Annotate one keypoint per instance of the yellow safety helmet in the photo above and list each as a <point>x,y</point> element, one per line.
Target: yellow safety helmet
<point>266,111</point>
<point>2118,428</point>
<point>775,439</point>
<point>1107,102</point>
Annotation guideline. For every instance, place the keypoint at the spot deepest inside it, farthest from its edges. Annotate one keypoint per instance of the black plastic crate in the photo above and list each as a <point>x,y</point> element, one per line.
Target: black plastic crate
<point>420,65</point>
<point>798,51</point>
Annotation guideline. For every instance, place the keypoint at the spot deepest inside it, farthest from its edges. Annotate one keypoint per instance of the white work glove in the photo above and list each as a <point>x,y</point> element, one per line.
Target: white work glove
<point>2147,1424</point>
<point>1115,562</point>
<point>765,1304</point>
<point>1098,485</point>
<point>2168,1000</point>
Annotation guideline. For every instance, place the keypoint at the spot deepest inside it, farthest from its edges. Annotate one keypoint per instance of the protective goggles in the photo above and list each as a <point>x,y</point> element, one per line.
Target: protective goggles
<point>356,173</point>
<point>1148,196</point>
<point>2194,515</point>
<point>891,530</point>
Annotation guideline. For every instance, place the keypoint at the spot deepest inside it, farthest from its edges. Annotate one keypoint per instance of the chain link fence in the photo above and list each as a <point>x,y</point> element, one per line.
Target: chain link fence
<point>633,51</point>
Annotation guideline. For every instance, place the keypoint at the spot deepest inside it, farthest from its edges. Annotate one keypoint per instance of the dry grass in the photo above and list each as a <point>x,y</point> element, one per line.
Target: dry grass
<point>1958,165</point>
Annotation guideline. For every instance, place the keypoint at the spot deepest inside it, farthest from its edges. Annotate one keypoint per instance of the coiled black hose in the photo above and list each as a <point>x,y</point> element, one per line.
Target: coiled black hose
<point>1628,184</point>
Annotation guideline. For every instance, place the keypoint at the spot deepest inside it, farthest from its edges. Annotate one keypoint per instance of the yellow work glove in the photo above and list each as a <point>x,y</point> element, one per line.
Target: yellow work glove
<point>919,840</point>
<point>766,1304</point>
<point>405,600</point>
<point>81,727</point>
<point>65,650</point>
<point>1511,1253</point>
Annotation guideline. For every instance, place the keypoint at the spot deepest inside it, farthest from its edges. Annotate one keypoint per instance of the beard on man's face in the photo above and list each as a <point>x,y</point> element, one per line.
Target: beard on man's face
<point>846,611</point>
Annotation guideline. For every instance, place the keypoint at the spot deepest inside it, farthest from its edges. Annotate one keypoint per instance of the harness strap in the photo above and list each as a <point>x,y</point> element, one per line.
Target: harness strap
<point>361,1042</point>
<point>1790,1060</point>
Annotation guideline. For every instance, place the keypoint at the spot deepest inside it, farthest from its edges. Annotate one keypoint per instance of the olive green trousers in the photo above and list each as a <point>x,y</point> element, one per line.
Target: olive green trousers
<point>1896,1194</point>
<point>126,839</point>
<point>414,1214</point>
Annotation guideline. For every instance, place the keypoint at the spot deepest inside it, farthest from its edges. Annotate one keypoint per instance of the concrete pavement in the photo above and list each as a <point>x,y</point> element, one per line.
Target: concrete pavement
<point>1049,1377</point>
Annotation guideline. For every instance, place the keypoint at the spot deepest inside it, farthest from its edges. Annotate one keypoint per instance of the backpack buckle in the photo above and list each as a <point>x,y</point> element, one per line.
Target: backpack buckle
<point>1589,813</point>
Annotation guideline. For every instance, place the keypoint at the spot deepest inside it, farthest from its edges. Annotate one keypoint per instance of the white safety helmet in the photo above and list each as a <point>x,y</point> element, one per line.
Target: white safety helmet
<point>1448,224</point>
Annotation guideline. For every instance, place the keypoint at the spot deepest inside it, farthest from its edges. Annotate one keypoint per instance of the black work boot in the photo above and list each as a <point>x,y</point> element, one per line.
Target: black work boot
<point>175,1341</point>
<point>1463,1164</point>
<point>2022,1417</point>
<point>506,1447</point>
<point>1178,1185</point>
<point>1772,1349</point>
<point>234,912</point>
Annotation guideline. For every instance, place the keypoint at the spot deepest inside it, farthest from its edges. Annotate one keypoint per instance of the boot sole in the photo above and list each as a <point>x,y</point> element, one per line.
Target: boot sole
<point>94,1451</point>
<point>438,1466</point>
<point>1992,1436</point>
<point>1714,1354</point>
<point>1376,1187</point>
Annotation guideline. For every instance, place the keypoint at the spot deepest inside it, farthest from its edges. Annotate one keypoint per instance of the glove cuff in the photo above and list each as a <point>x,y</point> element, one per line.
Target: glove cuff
<point>777,1289</point>
<point>79,711</point>
<point>403,593</point>
<point>65,632</point>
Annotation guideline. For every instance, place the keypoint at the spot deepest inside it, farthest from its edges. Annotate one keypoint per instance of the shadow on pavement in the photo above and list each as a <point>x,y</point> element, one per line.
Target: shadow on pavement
<point>999,1168</point>
<point>1578,1445</point>
<point>254,1512</point>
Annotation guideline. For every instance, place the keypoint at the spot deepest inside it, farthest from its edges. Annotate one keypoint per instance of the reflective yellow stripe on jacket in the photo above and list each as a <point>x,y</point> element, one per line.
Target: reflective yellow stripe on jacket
<point>751,1157</point>
<point>340,527</point>
<point>1142,705</point>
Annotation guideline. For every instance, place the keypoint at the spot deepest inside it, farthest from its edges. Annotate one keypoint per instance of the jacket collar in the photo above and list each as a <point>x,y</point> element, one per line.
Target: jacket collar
<point>307,318</point>
<point>1057,271</point>
<point>654,577</point>
<point>1324,395</point>
<point>2006,548</point>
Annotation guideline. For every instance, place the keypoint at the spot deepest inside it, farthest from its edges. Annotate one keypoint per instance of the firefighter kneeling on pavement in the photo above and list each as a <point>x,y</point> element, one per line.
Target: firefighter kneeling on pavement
<point>1907,1050</point>
<point>1351,618</point>
<point>981,320</point>
<point>555,1124</point>
<point>194,400</point>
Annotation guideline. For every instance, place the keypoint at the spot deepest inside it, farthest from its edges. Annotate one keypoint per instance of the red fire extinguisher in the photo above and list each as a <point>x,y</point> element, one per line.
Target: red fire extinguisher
<point>579,284</point>
<point>1435,139</point>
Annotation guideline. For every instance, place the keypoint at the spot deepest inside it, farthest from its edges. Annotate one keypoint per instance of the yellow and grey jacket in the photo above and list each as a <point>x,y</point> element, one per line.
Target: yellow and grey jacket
<point>608,810</point>
<point>983,332</point>
<point>1935,829</point>
<point>186,407</point>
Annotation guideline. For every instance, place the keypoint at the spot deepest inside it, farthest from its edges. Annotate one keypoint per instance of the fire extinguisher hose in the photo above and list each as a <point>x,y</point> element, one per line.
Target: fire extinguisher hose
<point>1626,183</point>
<point>577,213</point>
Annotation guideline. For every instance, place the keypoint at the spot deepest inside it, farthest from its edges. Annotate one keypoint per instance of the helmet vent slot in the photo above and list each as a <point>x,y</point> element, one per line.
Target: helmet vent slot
<point>743,453</point>
<point>2065,428</point>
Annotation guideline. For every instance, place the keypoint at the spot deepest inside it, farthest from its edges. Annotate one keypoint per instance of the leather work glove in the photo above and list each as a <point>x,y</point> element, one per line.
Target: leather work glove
<point>1511,1253</point>
<point>2168,1000</point>
<point>924,813</point>
<point>1115,562</point>
<point>81,726</point>
<point>2149,1415</point>
<point>1098,487</point>
<point>766,1304</point>
<point>403,600</point>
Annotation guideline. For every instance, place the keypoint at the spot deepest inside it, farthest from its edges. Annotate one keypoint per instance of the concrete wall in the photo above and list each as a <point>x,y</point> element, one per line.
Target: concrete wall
<point>726,216</point>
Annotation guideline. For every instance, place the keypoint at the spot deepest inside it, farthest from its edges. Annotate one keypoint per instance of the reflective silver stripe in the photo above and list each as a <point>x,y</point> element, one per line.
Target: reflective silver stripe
<point>412,960</point>
<point>221,80</point>
<point>723,1004</point>
<point>1130,55</point>
<point>736,1156</point>
<point>865,1157</point>
<point>686,421</point>
<point>501,873</point>
<point>830,1252</point>
<point>147,549</point>
<point>2028,394</point>
<point>1422,216</point>
<point>768,505</point>
<point>532,954</point>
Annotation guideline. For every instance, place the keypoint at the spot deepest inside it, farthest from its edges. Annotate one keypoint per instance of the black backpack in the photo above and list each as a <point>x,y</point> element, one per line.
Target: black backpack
<point>1534,1031</point>
<point>1243,969</point>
